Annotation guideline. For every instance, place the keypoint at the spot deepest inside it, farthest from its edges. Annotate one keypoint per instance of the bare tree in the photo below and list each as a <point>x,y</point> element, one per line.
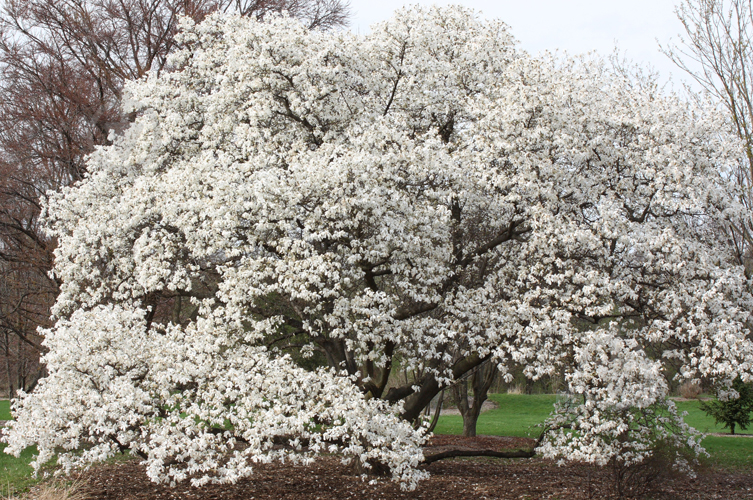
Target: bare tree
<point>716,50</point>
<point>316,14</point>
<point>63,65</point>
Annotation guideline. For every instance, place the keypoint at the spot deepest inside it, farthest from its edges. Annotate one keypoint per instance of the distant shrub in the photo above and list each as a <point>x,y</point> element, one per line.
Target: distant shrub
<point>690,390</point>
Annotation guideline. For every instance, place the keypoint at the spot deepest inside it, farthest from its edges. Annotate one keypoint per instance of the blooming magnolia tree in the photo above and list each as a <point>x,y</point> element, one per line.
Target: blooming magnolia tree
<point>424,197</point>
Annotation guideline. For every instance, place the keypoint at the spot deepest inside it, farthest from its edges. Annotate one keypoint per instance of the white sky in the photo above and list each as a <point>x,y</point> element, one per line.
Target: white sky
<point>576,26</point>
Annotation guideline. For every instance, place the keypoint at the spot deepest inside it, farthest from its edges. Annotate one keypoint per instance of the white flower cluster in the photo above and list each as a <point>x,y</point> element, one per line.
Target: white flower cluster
<point>197,404</point>
<point>619,410</point>
<point>424,196</point>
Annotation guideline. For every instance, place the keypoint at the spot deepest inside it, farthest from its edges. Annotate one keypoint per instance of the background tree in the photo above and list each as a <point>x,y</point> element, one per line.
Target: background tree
<point>63,65</point>
<point>729,410</point>
<point>471,392</point>
<point>716,50</point>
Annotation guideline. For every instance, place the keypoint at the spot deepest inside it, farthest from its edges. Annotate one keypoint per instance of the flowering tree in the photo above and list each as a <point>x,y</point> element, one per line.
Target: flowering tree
<point>63,64</point>
<point>423,197</point>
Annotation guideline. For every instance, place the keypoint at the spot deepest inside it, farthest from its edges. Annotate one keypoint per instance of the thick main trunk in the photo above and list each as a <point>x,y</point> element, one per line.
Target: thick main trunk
<point>469,425</point>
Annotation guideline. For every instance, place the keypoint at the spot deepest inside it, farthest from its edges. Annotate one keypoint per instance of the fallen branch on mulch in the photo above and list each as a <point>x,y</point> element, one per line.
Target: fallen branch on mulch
<point>442,447</point>
<point>445,446</point>
<point>428,459</point>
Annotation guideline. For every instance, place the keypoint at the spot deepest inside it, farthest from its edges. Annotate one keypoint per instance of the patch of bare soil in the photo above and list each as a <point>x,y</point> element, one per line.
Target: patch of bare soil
<point>477,479</point>
<point>725,434</point>
<point>452,410</point>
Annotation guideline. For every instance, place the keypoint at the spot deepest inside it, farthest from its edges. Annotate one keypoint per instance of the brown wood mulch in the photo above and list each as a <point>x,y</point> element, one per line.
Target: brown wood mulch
<point>477,479</point>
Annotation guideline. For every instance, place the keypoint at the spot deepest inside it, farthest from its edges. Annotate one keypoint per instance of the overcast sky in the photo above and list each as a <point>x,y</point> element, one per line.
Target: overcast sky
<point>577,26</point>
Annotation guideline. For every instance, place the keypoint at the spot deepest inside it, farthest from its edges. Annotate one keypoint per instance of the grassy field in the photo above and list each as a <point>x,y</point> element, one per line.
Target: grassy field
<point>15,472</point>
<point>518,414</point>
<point>4,409</point>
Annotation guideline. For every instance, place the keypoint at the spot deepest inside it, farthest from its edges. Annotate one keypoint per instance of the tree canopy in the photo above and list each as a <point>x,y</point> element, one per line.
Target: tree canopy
<point>425,197</point>
<point>63,64</point>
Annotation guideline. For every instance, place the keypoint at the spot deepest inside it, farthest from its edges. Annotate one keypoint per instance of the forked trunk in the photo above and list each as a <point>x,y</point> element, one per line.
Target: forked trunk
<point>469,405</point>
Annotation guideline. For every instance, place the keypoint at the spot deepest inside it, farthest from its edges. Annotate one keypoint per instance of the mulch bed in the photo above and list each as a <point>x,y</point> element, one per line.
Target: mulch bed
<point>477,479</point>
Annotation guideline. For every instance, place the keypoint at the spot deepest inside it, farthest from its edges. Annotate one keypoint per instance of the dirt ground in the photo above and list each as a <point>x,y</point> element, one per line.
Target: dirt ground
<point>467,478</point>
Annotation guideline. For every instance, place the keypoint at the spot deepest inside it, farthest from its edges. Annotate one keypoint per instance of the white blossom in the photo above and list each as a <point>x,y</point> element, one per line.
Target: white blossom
<point>426,195</point>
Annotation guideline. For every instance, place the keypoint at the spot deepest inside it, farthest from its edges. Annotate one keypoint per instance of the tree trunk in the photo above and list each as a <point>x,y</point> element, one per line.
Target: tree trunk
<point>470,406</point>
<point>21,366</point>
<point>460,395</point>
<point>416,401</point>
<point>469,425</point>
<point>8,373</point>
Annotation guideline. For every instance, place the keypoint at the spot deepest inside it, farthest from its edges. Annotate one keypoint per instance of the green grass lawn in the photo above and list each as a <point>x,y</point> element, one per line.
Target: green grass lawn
<point>4,409</point>
<point>725,451</point>
<point>518,414</point>
<point>15,472</point>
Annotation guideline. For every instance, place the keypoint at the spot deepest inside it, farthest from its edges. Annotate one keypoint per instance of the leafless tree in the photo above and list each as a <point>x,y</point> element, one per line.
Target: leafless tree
<point>716,50</point>
<point>316,14</point>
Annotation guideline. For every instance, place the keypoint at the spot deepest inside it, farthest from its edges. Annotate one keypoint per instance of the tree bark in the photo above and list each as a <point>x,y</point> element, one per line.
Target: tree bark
<point>415,402</point>
<point>470,406</point>
<point>478,453</point>
<point>8,375</point>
